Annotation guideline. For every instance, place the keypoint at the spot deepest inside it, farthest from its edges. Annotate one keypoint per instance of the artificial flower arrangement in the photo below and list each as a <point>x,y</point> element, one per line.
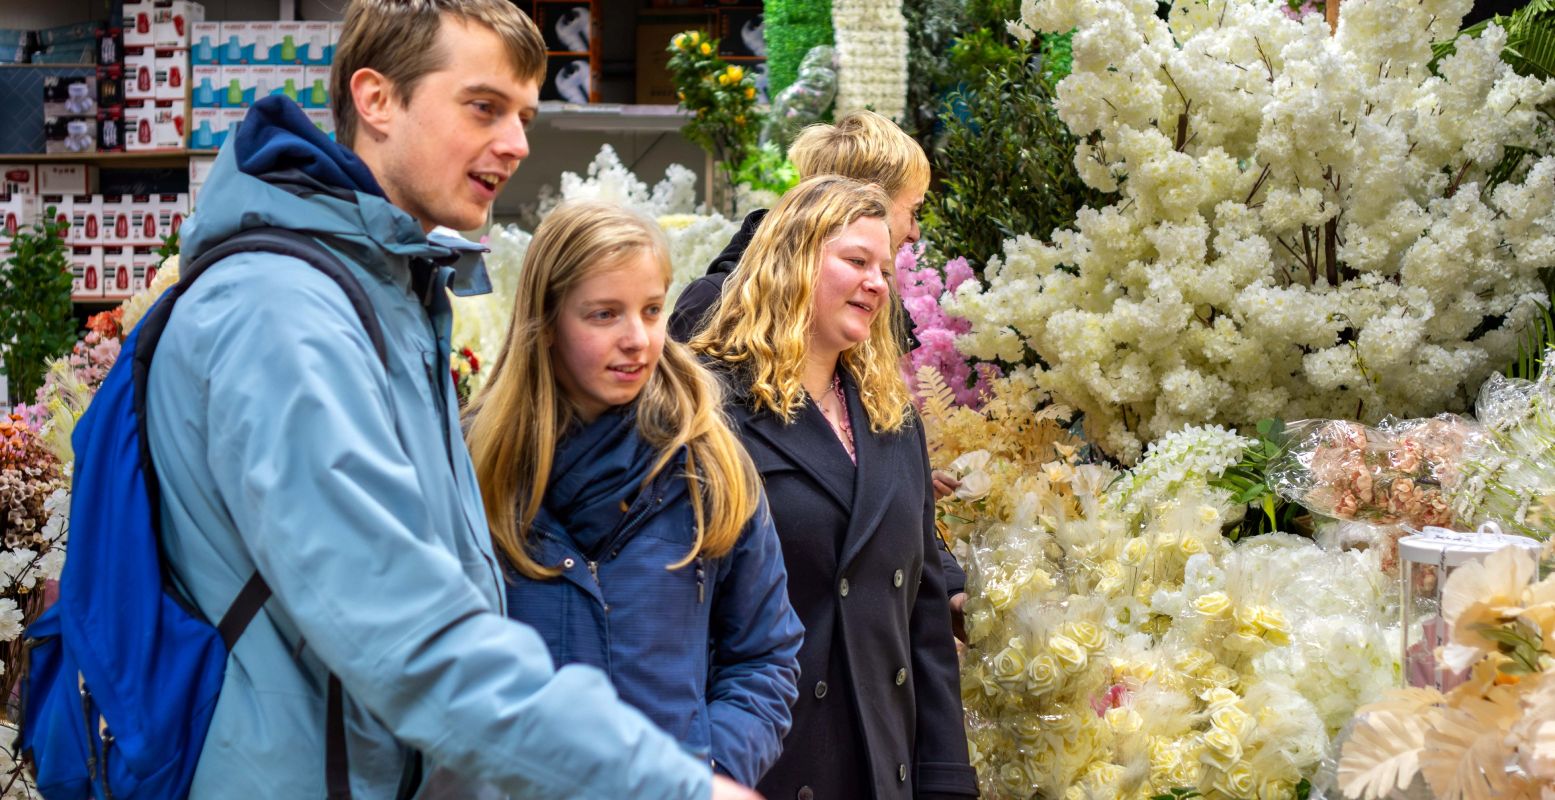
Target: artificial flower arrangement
<point>1285,242</point>
<point>720,96</point>
<point>1491,737</point>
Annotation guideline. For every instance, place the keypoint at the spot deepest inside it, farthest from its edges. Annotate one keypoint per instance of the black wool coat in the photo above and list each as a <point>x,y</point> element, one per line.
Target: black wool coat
<point>879,711</point>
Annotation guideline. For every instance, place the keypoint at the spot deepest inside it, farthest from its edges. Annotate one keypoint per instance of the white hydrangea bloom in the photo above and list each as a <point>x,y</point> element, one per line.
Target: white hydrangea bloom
<point>1284,242</point>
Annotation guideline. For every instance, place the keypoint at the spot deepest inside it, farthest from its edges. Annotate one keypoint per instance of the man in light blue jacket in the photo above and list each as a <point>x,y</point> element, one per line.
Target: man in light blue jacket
<point>285,445</point>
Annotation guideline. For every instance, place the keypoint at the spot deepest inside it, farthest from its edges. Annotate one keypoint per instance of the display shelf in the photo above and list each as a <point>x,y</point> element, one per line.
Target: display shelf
<point>149,158</point>
<point>609,117</point>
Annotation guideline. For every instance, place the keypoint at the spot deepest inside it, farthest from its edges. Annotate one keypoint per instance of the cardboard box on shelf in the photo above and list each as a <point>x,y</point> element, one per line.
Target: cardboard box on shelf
<point>205,129</point>
<point>65,34</point>
<point>208,91</point>
<point>318,43</point>
<point>110,46</point>
<point>172,21</point>
<point>140,74</point>
<point>143,219</point>
<point>64,179</point>
<point>205,43</point>
<point>316,91</point>
<point>172,210</point>
<point>86,212</point>
<point>86,272</point>
<point>172,72</point>
<point>237,43</point>
<point>290,80</point>
<point>57,207</point>
<point>18,179</point>
<point>654,84</point>
<point>17,211</point>
<point>155,125</point>
<point>118,270</point>
<point>111,133</point>
<point>70,95</point>
<point>138,16</point>
<point>568,78</point>
<point>242,86</point>
<point>146,261</point>
<point>199,171</point>
<point>110,86</point>
<point>231,118</point>
<point>568,26</point>
<point>741,32</point>
<point>116,219</point>
<point>265,36</point>
<point>70,134</point>
<point>289,46</point>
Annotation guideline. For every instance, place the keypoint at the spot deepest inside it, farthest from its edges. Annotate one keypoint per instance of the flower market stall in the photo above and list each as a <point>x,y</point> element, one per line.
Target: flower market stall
<point>1249,307</point>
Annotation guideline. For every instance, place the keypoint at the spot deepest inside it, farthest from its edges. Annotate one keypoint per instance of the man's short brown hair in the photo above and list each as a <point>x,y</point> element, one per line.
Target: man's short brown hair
<point>864,146</point>
<point>398,38</point>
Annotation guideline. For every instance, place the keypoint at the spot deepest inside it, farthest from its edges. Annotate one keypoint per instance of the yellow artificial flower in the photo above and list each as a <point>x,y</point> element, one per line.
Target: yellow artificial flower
<point>1041,674</point>
<point>1214,605</point>
<point>739,119</point>
<point>1009,666</point>
<point>679,41</point>
<point>1221,748</point>
<point>1085,634</point>
<point>1221,676</point>
<point>1239,781</point>
<point>750,93</point>
<point>1124,720</point>
<point>735,73</point>
<point>1134,552</point>
<point>1191,546</point>
<point>1071,656</point>
<point>706,49</point>
<point>1232,719</point>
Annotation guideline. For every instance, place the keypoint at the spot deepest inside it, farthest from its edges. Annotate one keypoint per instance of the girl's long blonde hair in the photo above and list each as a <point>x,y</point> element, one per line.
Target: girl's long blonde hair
<point>761,326</point>
<point>514,422</point>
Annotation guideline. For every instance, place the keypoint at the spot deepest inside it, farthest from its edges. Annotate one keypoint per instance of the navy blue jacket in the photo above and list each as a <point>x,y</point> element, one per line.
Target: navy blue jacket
<point>709,652</point>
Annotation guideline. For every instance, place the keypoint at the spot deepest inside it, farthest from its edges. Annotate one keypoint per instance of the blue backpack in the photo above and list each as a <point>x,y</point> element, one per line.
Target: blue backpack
<point>123,672</point>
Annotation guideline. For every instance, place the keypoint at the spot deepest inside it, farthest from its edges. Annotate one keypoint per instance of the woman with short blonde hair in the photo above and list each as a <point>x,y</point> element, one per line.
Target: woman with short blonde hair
<point>630,518</point>
<point>803,338</point>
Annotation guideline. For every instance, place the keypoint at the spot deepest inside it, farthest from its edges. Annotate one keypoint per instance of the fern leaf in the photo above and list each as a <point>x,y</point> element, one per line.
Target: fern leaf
<point>1465,751</point>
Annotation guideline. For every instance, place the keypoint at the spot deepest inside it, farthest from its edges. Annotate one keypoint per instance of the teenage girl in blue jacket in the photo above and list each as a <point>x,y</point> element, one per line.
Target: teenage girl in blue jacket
<point>632,522</point>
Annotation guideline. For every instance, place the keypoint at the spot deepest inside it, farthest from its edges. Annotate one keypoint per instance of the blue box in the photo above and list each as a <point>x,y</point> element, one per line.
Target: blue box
<point>207,89</point>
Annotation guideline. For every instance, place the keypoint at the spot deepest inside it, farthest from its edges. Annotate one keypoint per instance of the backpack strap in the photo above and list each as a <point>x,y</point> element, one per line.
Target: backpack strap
<point>255,592</point>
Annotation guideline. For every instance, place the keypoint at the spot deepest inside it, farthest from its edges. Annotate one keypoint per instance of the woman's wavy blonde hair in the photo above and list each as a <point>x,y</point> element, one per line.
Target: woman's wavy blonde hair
<point>514,422</point>
<point>761,326</point>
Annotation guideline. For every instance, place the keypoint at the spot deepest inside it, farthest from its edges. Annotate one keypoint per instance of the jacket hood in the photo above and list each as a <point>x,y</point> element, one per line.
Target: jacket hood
<point>282,171</point>
<point>730,257</point>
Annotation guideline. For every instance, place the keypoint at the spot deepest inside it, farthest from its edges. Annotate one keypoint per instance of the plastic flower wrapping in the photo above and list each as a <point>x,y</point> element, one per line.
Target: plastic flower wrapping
<point>695,238</point>
<point>1401,471</point>
<point>1509,479</point>
<point>1491,737</point>
<point>1283,244</point>
<point>1121,647</point>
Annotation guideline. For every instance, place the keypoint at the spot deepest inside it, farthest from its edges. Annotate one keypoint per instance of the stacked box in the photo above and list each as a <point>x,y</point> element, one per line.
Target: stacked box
<point>64,179</point>
<point>145,261</point>
<point>118,271</point>
<point>86,212</point>
<point>172,22</point>
<point>86,272</point>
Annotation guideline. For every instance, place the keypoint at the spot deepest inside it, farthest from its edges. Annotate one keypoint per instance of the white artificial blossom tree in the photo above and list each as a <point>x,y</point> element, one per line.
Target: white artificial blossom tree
<point>1304,225</point>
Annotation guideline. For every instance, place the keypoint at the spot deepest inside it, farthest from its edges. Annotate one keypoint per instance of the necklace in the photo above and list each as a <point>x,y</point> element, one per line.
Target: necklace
<point>843,426</point>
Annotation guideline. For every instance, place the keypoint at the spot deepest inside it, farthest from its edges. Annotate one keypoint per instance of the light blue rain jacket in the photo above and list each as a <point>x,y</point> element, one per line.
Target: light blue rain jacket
<point>283,445</point>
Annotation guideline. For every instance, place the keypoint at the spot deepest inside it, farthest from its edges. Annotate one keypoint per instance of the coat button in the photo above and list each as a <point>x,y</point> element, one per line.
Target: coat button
<point>896,580</point>
<point>842,588</point>
<point>567,563</point>
<point>901,676</point>
<point>820,689</point>
<point>806,793</point>
<point>901,773</point>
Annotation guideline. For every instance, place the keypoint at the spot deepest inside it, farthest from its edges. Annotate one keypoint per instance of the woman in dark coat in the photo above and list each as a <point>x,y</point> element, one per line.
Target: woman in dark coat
<point>804,338</point>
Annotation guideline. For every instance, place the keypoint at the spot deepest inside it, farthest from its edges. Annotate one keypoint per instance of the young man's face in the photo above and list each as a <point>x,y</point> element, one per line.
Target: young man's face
<point>448,153</point>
